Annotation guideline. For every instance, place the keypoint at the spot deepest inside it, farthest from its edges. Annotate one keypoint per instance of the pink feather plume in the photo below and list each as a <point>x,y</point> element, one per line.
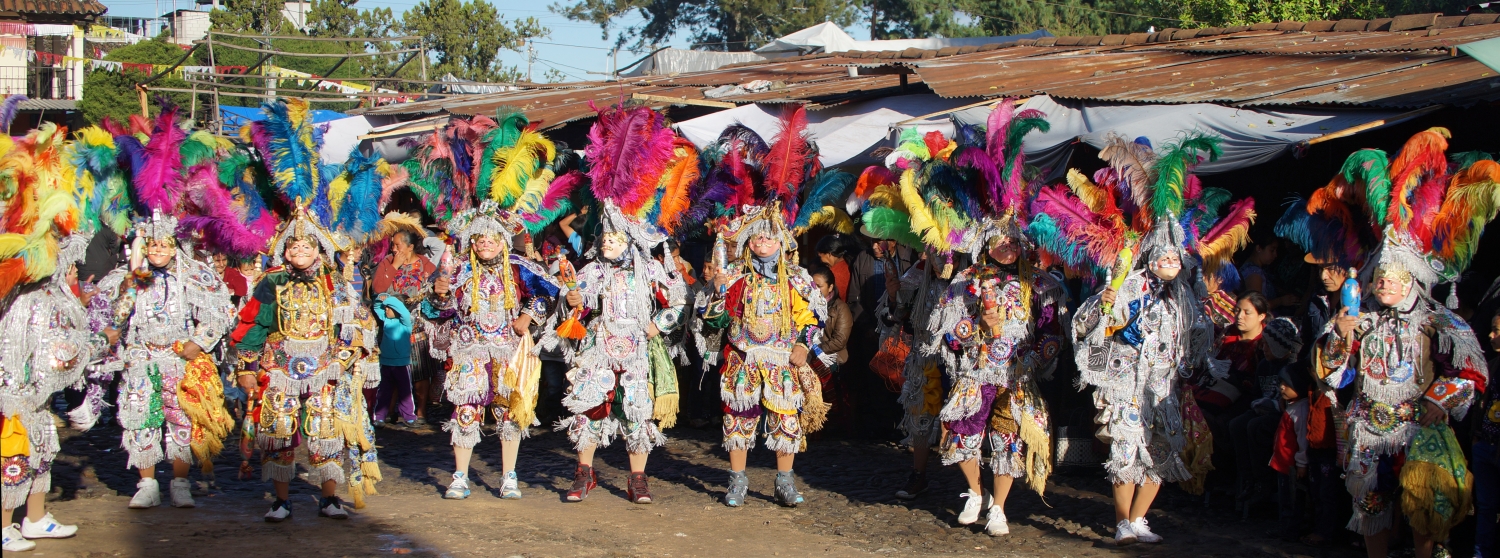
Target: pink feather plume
<point>160,182</point>
<point>628,150</point>
<point>786,164</point>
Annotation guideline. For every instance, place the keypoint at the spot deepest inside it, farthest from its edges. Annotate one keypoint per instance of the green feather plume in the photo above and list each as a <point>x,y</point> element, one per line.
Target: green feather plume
<point>1177,159</point>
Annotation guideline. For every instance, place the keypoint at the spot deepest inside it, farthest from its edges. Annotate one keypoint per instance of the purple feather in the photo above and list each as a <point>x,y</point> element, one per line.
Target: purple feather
<point>979,160</point>
<point>8,110</point>
<point>159,182</point>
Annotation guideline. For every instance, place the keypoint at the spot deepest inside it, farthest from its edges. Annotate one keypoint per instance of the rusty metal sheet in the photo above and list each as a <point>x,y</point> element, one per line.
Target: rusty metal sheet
<point>790,72</point>
<point>1456,81</point>
<point>1023,76</point>
<point>829,92</point>
<point>1330,42</point>
<point>1234,79</point>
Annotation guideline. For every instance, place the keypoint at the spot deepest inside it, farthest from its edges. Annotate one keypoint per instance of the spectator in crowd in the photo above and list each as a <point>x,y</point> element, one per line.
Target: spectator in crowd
<point>1254,430</point>
<point>1289,454</point>
<point>406,272</point>
<point>1266,247</point>
<point>833,350</point>
<point>395,362</point>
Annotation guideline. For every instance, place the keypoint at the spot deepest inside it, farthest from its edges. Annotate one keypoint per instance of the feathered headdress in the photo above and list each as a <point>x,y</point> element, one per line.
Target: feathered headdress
<point>1432,221</point>
<point>1337,224</point>
<point>38,210</point>
<point>288,142</point>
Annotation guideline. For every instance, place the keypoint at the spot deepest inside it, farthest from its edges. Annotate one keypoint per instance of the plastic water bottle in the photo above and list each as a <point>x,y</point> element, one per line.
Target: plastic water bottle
<point>1351,294</point>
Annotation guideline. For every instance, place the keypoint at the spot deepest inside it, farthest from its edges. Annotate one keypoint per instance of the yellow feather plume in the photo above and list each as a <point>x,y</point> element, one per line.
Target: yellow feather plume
<point>535,192</point>
<point>888,195</point>
<point>832,217</point>
<point>1088,192</point>
<point>517,164</point>
<point>922,221</point>
<point>1219,251</point>
<point>338,191</point>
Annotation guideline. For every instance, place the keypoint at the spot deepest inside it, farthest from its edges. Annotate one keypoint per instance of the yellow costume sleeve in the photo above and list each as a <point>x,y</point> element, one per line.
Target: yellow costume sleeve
<point>801,313</point>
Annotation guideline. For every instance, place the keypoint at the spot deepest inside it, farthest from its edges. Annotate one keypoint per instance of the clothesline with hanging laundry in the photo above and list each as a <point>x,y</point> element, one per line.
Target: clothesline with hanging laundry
<point>281,74</point>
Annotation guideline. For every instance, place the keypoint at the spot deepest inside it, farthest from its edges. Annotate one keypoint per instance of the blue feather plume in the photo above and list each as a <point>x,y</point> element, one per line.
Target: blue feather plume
<point>829,187</point>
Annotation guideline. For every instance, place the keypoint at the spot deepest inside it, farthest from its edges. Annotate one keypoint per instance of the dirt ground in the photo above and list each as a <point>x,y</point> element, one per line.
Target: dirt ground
<point>850,510</point>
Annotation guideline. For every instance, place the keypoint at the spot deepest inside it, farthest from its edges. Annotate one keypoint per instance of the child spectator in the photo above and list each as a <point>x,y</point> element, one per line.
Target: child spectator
<point>1289,454</point>
<point>395,361</point>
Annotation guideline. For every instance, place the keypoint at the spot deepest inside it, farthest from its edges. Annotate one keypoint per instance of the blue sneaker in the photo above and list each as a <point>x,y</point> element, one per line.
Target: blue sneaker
<point>459,488</point>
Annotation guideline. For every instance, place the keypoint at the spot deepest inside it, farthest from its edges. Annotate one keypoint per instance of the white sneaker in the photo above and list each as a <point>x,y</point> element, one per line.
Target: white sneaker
<point>1143,532</point>
<point>997,526</point>
<point>332,509</point>
<point>13,542</point>
<point>147,495</point>
<point>280,511</point>
<point>1124,534</point>
<point>47,528</point>
<point>182,494</point>
<point>459,488</point>
<point>976,503</point>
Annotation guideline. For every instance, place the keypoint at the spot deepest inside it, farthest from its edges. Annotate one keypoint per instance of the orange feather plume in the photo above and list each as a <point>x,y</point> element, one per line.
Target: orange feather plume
<point>678,182</point>
<point>1420,161</point>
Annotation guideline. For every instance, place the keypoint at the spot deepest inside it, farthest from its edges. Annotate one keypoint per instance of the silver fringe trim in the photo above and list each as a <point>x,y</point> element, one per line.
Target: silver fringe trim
<point>462,437</point>
<point>330,471</point>
<point>273,471</point>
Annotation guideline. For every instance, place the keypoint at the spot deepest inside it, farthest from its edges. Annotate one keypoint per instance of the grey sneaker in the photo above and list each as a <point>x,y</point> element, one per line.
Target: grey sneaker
<point>739,484</point>
<point>786,489</point>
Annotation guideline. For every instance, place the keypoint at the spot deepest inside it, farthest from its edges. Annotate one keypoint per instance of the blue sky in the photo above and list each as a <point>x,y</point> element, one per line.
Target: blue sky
<point>574,48</point>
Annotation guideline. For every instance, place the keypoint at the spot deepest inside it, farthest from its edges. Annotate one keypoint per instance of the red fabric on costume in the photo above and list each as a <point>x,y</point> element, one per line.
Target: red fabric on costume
<point>1284,449</point>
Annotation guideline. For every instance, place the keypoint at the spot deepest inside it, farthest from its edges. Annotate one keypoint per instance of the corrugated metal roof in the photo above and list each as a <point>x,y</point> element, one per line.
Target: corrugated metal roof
<point>1234,78</point>
<point>53,7</point>
<point>48,104</point>
<point>1456,81</point>
<point>1406,61</point>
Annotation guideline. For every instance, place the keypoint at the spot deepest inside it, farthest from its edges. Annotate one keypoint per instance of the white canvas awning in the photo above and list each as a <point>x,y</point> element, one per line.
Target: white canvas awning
<point>845,134</point>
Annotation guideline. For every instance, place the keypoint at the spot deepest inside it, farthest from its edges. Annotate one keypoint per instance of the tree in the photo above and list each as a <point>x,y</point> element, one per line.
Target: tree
<point>112,94</point>
<point>915,19</point>
<point>713,24</point>
<point>466,37</point>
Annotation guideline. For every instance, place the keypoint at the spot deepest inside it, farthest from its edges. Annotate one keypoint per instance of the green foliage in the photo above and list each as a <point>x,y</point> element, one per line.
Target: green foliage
<point>466,37</point>
<point>112,94</point>
<point>713,24</point>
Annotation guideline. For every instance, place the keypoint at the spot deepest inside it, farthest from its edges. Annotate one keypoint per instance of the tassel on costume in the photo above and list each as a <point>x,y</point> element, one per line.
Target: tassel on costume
<point>1034,436</point>
<point>814,410</point>
<point>571,328</point>
<point>663,384</point>
<point>522,377</point>
<point>1199,451</point>
<point>1436,487</point>
<point>200,394</point>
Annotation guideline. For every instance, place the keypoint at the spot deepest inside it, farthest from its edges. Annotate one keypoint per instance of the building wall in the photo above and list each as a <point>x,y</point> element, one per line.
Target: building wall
<point>189,26</point>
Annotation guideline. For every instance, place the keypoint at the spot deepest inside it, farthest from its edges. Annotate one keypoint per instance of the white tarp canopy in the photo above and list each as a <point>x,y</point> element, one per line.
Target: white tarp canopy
<point>845,134</point>
<point>670,61</point>
<point>1251,136</point>
<point>829,37</point>
<point>340,137</point>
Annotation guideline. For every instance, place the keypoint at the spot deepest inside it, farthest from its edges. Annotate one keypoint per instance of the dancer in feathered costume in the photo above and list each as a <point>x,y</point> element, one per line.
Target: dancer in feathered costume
<point>492,297</point>
<point>928,184</point>
<point>307,343</point>
<point>773,313</point>
<point>1001,325</point>
<point>1411,362</point>
<point>47,341</point>
<point>172,308</point>
<point>1137,338</point>
<point>623,381</point>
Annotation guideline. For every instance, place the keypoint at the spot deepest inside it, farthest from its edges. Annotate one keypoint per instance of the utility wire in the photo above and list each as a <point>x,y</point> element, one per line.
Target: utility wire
<point>560,70</point>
